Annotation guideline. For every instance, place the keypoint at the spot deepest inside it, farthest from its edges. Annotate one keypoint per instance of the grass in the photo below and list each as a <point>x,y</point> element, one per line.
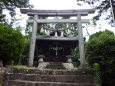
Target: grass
<point>22,67</point>
<point>26,67</point>
<point>0,84</point>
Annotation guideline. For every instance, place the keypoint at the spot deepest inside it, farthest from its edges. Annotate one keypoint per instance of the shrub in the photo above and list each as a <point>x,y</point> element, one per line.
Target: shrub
<point>12,44</point>
<point>100,49</point>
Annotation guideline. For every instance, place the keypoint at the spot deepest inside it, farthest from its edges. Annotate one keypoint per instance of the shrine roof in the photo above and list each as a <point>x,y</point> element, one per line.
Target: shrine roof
<point>52,38</point>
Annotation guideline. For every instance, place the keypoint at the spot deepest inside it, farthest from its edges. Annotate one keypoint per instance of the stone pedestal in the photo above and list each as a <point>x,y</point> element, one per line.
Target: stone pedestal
<point>41,61</point>
<point>41,58</point>
<point>69,64</point>
<point>69,59</point>
<point>55,65</point>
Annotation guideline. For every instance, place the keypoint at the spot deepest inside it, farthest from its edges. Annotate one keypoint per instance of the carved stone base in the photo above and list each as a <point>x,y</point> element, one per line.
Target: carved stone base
<point>55,65</point>
<point>43,65</point>
<point>68,66</point>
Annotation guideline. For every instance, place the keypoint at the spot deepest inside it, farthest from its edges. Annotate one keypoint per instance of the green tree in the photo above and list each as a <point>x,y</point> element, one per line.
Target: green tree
<point>12,44</point>
<point>11,5</point>
<point>75,54</point>
<point>100,49</point>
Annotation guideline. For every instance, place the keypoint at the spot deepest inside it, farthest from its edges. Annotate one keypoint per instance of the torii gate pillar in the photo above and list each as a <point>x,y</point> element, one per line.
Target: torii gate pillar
<point>81,42</point>
<point>33,41</point>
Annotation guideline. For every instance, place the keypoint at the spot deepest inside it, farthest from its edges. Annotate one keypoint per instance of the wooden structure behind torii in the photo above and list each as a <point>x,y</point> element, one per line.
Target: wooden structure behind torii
<point>36,20</point>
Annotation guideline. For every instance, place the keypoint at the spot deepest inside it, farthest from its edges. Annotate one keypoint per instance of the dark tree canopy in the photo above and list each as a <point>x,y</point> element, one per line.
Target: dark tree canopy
<point>11,5</point>
<point>101,49</point>
<point>104,6</point>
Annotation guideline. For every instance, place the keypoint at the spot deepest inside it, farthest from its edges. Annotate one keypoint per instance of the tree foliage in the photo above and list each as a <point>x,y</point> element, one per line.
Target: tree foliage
<point>12,44</point>
<point>11,5</point>
<point>100,49</point>
<point>75,54</point>
<point>103,7</point>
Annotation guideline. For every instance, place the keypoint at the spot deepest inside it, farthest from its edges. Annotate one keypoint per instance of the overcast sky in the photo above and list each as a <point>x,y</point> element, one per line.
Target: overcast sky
<point>67,4</point>
<point>54,4</point>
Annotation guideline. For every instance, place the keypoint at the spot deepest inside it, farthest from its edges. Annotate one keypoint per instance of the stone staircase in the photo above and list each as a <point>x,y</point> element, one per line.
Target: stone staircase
<point>35,77</point>
<point>55,65</point>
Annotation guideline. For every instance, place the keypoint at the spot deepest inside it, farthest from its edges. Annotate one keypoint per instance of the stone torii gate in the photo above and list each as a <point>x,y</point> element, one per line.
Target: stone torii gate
<point>36,20</point>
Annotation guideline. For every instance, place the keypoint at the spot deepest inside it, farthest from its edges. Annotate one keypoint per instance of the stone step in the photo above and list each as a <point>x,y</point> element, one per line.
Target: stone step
<point>52,78</point>
<point>33,83</point>
<point>56,63</point>
<point>50,72</point>
<point>55,67</point>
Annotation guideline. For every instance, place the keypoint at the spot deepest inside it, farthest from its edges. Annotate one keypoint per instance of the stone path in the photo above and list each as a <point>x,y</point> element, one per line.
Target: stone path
<point>35,77</point>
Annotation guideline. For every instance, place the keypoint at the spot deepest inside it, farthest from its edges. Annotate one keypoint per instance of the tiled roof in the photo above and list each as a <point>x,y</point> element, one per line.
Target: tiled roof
<point>57,38</point>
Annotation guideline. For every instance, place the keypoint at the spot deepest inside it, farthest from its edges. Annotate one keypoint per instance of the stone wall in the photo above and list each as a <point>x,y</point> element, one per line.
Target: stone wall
<point>1,75</point>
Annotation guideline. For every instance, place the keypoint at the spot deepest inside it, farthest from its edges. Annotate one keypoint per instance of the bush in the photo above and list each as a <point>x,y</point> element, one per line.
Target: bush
<point>12,44</point>
<point>100,49</point>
